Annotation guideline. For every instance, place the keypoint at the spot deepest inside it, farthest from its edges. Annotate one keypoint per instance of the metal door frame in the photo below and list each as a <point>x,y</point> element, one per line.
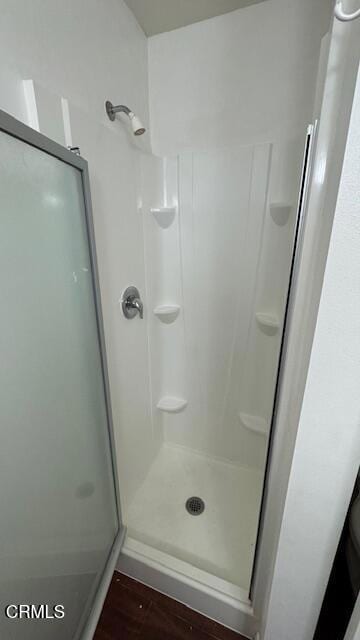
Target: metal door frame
<point>20,131</point>
<point>307,163</point>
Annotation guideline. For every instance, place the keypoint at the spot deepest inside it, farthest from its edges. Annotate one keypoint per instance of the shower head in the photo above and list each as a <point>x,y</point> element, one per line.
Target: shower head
<point>136,124</point>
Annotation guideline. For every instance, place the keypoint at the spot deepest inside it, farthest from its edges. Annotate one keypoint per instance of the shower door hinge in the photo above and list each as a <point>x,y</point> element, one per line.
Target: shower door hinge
<point>75,150</point>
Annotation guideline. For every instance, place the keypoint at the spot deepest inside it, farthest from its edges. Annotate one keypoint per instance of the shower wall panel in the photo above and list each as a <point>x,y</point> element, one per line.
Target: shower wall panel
<point>168,366</point>
<point>214,361</point>
<point>221,238</point>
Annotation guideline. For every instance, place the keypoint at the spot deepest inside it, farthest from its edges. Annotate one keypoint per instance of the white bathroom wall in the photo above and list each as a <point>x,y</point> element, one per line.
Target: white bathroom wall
<point>244,77</point>
<point>86,52</point>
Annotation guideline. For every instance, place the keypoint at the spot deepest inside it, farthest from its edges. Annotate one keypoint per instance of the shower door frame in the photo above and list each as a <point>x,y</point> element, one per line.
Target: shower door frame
<point>307,164</point>
<point>16,129</point>
<point>287,596</point>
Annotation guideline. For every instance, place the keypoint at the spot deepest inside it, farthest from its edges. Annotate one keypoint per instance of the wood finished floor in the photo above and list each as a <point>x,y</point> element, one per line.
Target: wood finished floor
<point>132,610</point>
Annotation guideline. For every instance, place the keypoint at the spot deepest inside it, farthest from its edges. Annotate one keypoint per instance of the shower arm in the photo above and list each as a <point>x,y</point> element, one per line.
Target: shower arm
<point>120,108</point>
<point>136,124</point>
<point>112,109</point>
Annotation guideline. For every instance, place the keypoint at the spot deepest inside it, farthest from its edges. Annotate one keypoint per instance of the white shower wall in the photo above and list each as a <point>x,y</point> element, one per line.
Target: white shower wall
<point>230,99</point>
<point>213,262</point>
<point>243,78</point>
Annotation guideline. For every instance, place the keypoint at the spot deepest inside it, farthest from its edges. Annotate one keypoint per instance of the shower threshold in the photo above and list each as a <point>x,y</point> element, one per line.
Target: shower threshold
<point>215,598</point>
<point>231,593</point>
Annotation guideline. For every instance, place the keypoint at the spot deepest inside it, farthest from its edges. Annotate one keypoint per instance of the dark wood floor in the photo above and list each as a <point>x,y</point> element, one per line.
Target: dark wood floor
<point>132,610</point>
<point>339,600</point>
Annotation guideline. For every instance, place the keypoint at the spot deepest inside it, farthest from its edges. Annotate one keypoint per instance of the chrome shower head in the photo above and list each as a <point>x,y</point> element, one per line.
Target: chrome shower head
<point>136,124</point>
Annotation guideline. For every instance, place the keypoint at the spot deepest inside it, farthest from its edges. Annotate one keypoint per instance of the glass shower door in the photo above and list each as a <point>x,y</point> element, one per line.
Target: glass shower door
<point>59,508</point>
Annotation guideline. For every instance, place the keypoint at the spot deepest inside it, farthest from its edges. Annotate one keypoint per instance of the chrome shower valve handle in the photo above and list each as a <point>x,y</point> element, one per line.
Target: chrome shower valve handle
<point>131,303</point>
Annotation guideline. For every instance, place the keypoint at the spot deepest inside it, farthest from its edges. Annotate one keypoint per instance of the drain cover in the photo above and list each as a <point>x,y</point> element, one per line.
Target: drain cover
<point>195,506</point>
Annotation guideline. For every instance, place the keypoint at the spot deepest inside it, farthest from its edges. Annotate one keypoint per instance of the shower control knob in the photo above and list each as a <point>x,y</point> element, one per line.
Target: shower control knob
<point>131,303</point>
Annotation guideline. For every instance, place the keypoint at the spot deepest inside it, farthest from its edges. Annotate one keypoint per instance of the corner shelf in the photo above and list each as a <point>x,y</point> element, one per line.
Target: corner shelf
<point>171,404</point>
<point>268,322</point>
<point>253,423</point>
<point>280,212</point>
<point>164,216</point>
<point>167,313</point>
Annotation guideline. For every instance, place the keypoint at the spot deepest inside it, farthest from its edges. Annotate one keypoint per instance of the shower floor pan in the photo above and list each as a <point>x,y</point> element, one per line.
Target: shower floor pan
<point>219,543</point>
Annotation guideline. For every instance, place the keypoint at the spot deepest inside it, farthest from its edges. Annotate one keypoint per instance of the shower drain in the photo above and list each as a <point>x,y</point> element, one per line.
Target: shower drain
<point>195,506</point>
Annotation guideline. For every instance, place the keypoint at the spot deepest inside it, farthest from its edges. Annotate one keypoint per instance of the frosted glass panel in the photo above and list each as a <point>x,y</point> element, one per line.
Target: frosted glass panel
<point>57,498</point>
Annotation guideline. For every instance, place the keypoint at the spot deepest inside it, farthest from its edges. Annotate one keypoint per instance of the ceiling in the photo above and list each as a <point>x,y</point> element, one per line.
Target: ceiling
<point>157,16</point>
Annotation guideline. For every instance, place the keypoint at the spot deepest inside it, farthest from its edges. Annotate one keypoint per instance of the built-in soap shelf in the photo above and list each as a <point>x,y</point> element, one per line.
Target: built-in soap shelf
<point>253,423</point>
<point>268,322</point>
<point>167,313</point>
<point>171,404</point>
<point>280,212</point>
<point>164,216</point>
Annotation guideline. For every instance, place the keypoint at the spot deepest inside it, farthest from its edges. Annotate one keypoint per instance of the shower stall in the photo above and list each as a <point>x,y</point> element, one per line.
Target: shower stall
<point>215,316</point>
<point>198,237</point>
<point>220,205</point>
<point>218,254</point>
